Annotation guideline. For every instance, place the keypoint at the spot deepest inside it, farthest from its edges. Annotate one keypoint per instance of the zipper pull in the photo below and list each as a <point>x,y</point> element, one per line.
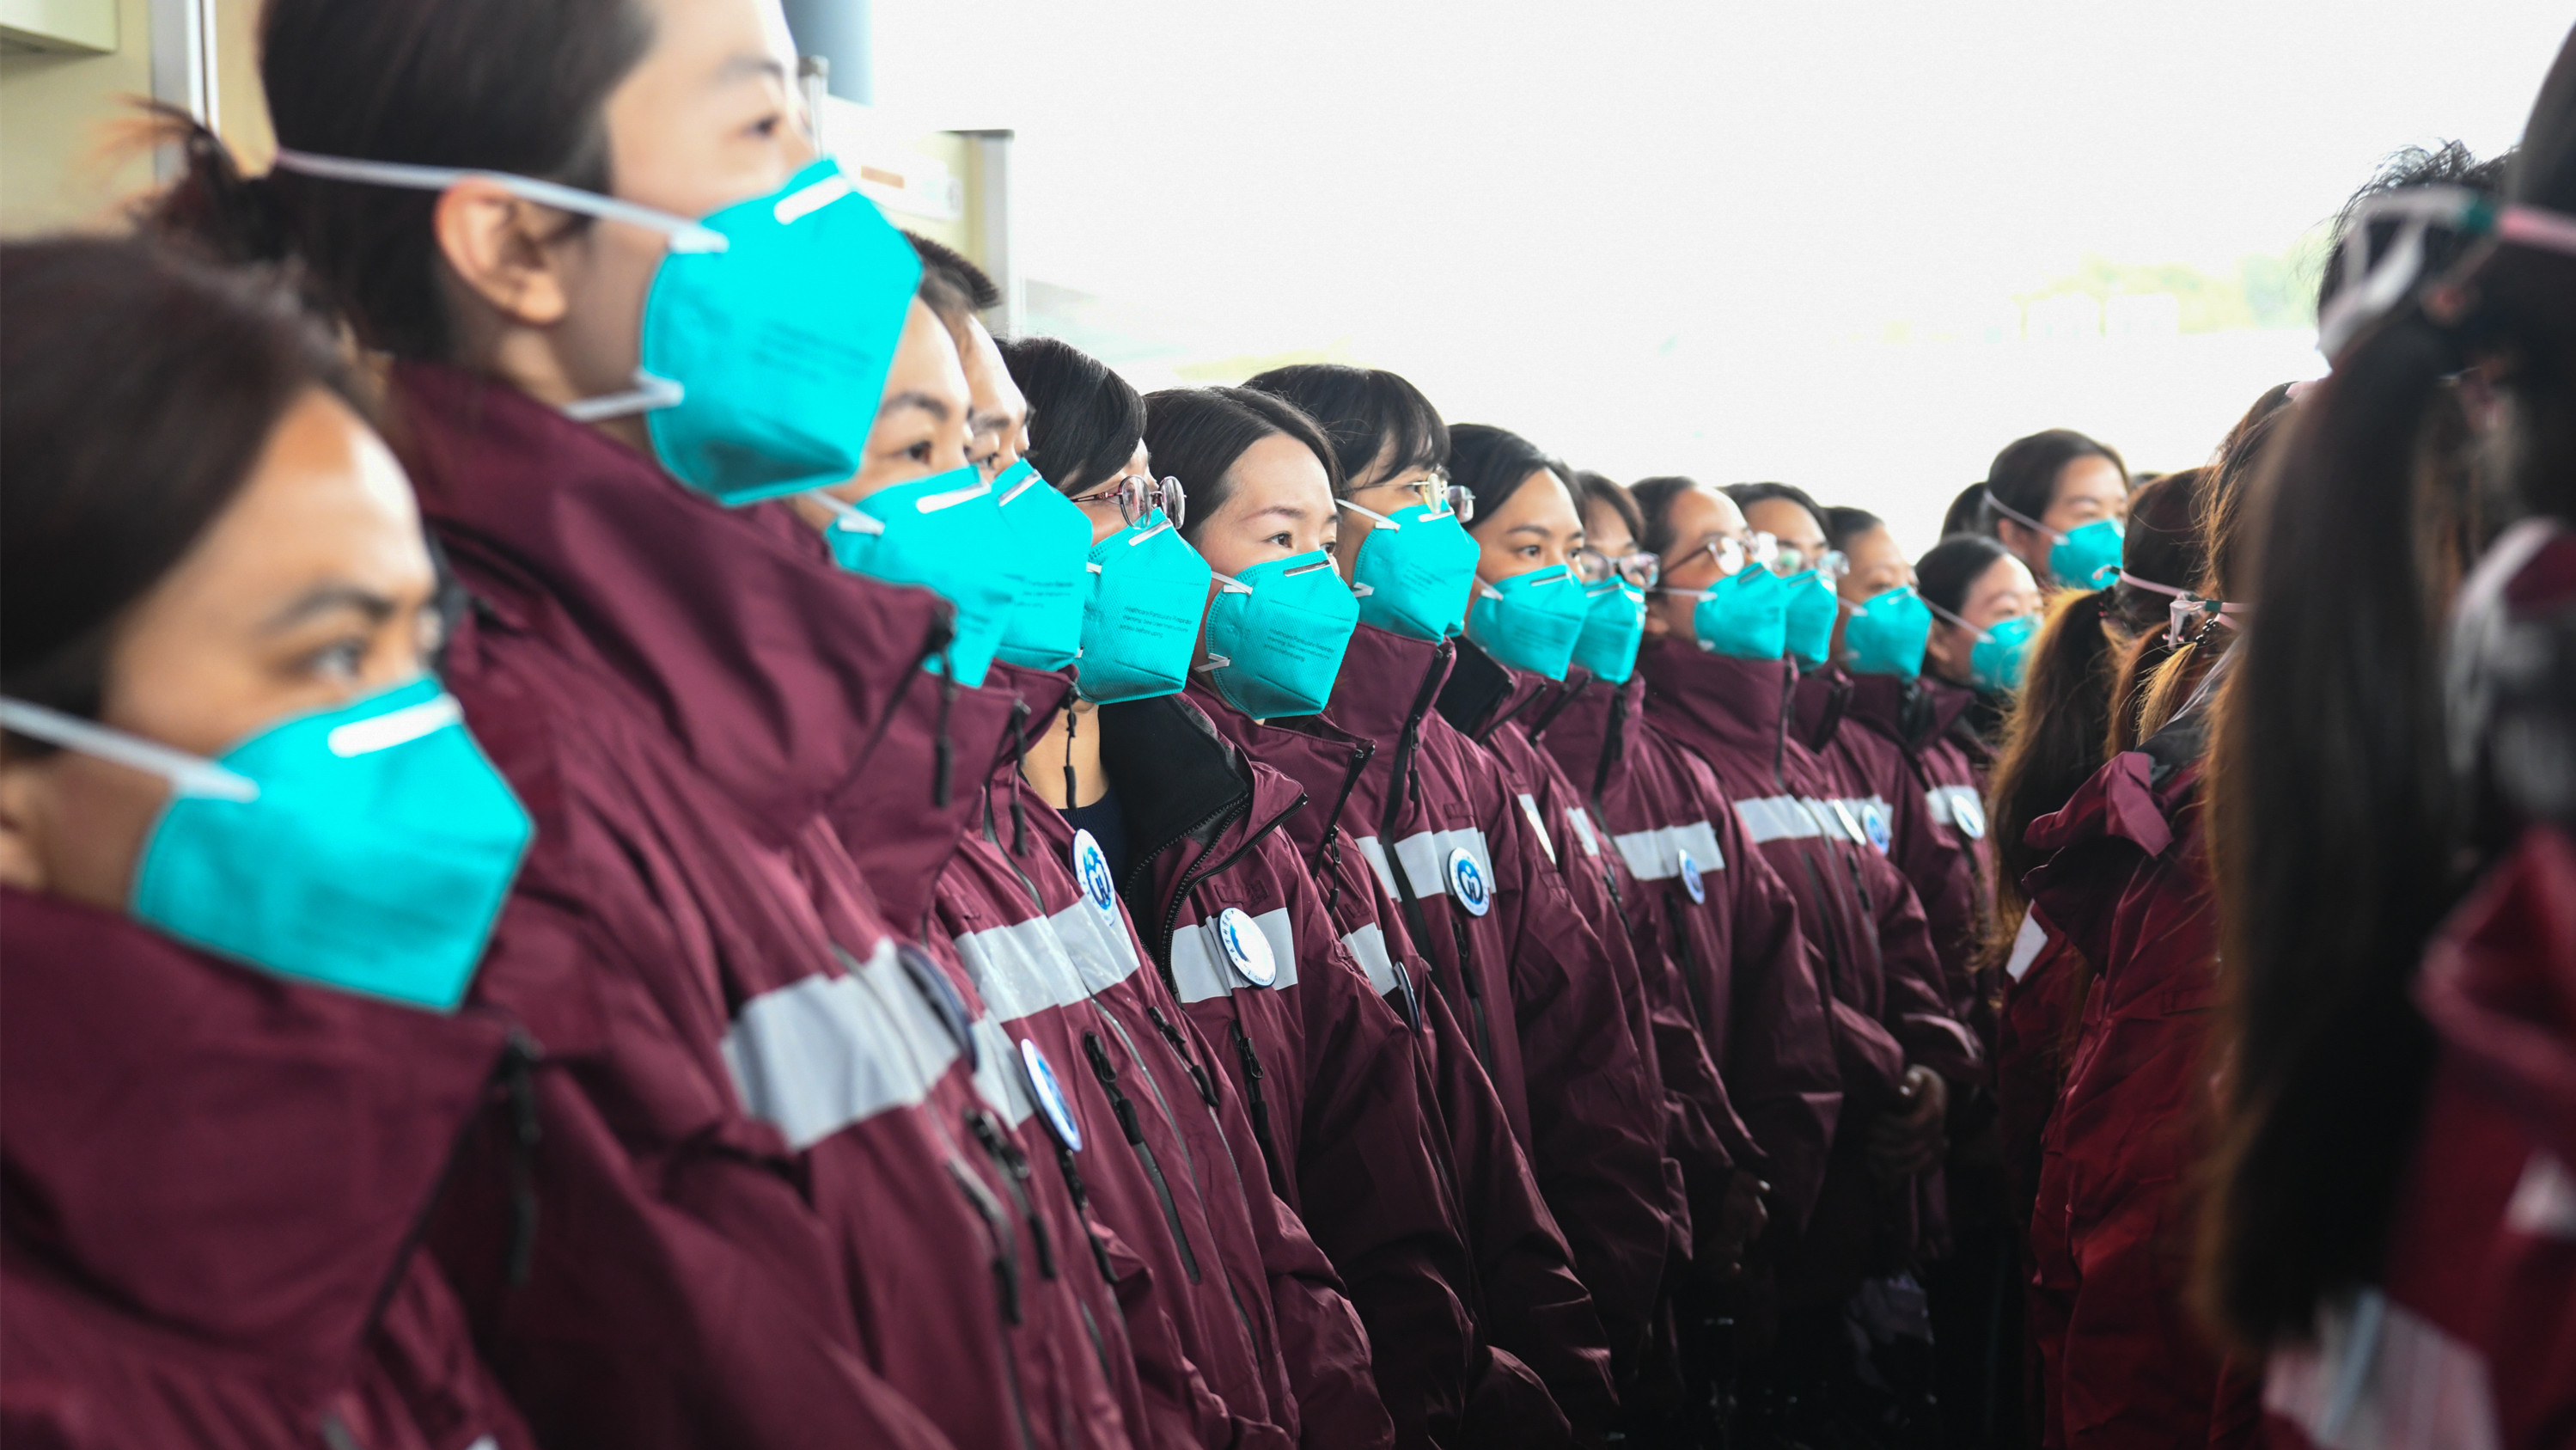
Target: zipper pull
<point>988,1129</point>
<point>1172,1035</point>
<point>1099,1054</point>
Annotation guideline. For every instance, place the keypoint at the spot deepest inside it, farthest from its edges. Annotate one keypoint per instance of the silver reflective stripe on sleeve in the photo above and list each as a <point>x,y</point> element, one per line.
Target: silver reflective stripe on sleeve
<point>1022,968</point>
<point>820,1054</point>
<point>1425,855</point>
<point>1582,821</point>
<point>2027,944</point>
<point>1199,970</point>
<point>1368,946</point>
<point>1776,818</point>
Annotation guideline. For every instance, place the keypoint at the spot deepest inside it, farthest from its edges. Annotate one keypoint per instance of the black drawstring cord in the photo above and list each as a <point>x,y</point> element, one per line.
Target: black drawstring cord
<point>1565,695</point>
<point>1612,747</point>
<point>1069,800</point>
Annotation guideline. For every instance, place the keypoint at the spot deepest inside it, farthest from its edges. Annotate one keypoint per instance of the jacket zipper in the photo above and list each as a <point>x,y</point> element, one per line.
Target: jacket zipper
<point>1015,1177</point>
<point>1361,753</point>
<point>1098,1053</point>
<point>1172,1035</point>
<point>1252,1094</point>
<point>1006,1282</point>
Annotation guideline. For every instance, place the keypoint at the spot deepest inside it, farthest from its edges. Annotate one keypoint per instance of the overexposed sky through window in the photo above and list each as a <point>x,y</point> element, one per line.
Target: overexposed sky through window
<point>1734,240</point>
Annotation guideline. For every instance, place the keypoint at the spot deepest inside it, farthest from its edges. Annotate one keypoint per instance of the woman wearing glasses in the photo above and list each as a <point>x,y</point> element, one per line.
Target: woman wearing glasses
<point>1441,825</point>
<point>1717,680</point>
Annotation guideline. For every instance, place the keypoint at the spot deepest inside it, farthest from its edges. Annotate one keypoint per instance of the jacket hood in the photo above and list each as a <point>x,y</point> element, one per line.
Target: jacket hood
<point>1593,729</point>
<point>1482,694</point>
<point>1383,674</point>
<point>902,818</point>
<point>774,669</point>
<point>1821,698</point>
<point>213,1148</point>
<point>1727,707</point>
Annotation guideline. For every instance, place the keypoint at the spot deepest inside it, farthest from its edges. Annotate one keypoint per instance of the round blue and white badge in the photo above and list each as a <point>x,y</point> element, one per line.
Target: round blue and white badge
<point>1873,817</point>
<point>1692,881</point>
<point>1968,815</point>
<point>1467,882</point>
<point>1246,949</point>
<point>1091,868</point>
<point>1048,1094</point>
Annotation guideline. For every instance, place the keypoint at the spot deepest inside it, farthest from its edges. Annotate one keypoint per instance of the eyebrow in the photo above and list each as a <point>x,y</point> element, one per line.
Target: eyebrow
<point>936,407</point>
<point>750,67</point>
<point>979,419</point>
<point>326,598</point>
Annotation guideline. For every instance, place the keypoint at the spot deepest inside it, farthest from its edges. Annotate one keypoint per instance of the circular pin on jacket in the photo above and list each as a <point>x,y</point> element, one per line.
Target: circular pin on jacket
<point>1968,815</point>
<point>1091,868</point>
<point>1467,882</point>
<point>1692,881</point>
<point>1246,949</point>
<point>1873,818</point>
<point>1048,1094</point>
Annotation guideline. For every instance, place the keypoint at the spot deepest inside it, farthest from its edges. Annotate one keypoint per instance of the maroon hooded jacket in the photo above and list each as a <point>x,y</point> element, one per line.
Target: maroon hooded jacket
<point>1890,1007</point>
<point>1059,965</point>
<point>1749,971</point>
<point>761,1121</point>
<point>1905,746</point>
<point>2128,885</point>
<point>1703,1140</point>
<point>216,1178</point>
<point>1539,1002</point>
<point>1542,1370</point>
<point>1349,1135</point>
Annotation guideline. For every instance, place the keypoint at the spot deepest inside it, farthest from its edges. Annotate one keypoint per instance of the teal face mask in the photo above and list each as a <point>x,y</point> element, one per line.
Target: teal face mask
<point>1614,625</point>
<point>367,848</point>
<point>1886,634</point>
<point>1744,616</point>
<point>2088,558</point>
<point>1530,621</point>
<point>1140,627</point>
<point>1276,634</point>
<point>767,334</point>
<point>2002,652</point>
<point>1053,536</point>
<point>1414,571</point>
<point>1813,607</point>
<point>946,534</point>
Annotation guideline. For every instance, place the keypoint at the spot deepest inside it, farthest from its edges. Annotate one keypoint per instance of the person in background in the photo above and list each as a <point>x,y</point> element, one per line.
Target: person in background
<point>1729,925</point>
<point>1296,1033</point>
<point>2056,499</point>
<point>2389,1219</point>
<point>1985,608</point>
<point>232,1068</point>
<point>1873,564</point>
<point>587,233</point>
<point>1718,681</point>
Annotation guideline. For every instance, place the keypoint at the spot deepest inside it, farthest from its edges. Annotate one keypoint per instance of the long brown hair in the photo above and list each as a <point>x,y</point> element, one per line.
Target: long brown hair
<point>2338,824</point>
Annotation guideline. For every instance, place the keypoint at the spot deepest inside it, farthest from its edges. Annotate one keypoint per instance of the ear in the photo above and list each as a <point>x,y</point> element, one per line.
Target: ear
<point>1657,627</point>
<point>23,788</point>
<point>499,247</point>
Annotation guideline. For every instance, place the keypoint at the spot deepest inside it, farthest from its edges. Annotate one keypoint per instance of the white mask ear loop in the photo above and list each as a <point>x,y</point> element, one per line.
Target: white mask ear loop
<point>2023,519</point>
<point>849,516</point>
<point>189,775</point>
<point>1382,521</point>
<point>1982,635</point>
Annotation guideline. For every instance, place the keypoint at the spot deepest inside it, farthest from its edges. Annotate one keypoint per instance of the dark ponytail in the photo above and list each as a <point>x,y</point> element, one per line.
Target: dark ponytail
<point>518,86</point>
<point>2165,545</point>
<point>2338,826</point>
<point>2052,743</point>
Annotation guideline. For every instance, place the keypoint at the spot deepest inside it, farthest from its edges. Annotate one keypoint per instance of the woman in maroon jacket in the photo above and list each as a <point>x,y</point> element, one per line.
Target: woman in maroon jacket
<point>1718,681</point>
<point>232,1073</point>
<point>2391,1217</point>
<point>1348,1129</point>
<point>589,232</point>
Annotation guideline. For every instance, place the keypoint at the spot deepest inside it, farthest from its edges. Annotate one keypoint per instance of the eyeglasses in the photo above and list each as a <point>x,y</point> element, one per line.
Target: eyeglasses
<point>1137,495</point>
<point>1732,553</point>
<point>1830,564</point>
<point>1432,491</point>
<point>1594,567</point>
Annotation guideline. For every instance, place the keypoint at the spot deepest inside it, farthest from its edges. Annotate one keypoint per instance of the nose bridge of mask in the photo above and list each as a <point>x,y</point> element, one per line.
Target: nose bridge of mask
<point>189,775</point>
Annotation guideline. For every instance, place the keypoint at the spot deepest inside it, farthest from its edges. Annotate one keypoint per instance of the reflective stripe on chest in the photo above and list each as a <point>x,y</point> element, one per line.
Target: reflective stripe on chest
<point>1203,968</point>
<point>1656,855</point>
<point>828,1051</point>
<point>1425,855</point>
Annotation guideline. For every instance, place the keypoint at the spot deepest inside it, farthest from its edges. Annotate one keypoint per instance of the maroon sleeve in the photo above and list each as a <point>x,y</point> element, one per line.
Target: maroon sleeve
<point>1917,1010</point>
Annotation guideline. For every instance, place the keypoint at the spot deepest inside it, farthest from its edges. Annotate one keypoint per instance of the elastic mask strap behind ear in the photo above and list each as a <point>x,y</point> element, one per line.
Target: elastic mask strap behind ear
<point>1954,619</point>
<point>685,235</point>
<point>189,775</point>
<point>849,516</point>
<point>1382,521</point>
<point>2023,519</point>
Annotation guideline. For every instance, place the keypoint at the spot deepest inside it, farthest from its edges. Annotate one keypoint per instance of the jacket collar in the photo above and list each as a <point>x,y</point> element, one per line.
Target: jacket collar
<point>215,1148</point>
<point>1482,694</point>
<point>1591,728</point>
<point>926,784</point>
<point>774,670</point>
<point>1739,705</point>
<point>1821,698</point>
<point>1382,679</point>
